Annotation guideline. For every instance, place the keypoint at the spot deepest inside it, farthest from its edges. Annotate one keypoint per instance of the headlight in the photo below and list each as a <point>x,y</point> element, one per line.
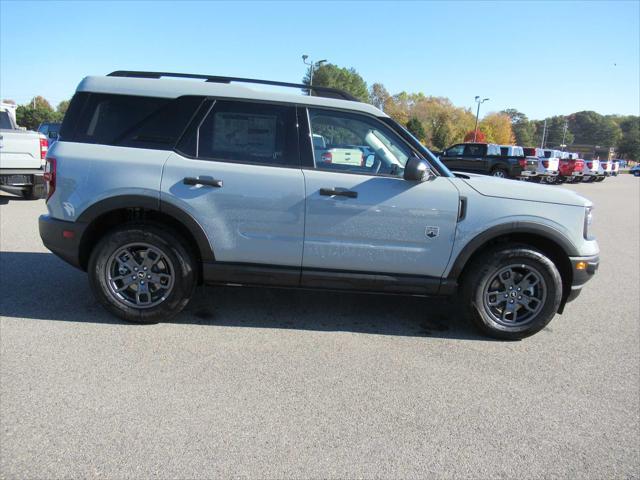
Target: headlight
<point>588,219</point>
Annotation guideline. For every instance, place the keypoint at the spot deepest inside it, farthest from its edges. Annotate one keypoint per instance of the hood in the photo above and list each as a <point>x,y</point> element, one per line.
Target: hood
<point>519,190</point>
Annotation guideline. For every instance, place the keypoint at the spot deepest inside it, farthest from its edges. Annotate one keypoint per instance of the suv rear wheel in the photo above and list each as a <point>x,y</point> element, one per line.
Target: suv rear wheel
<point>512,292</point>
<point>142,273</point>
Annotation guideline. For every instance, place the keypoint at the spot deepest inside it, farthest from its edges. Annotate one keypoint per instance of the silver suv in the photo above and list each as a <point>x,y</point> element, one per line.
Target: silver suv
<point>159,183</point>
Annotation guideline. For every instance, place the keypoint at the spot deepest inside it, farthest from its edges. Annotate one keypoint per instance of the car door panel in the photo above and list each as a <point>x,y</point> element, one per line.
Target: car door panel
<point>383,229</point>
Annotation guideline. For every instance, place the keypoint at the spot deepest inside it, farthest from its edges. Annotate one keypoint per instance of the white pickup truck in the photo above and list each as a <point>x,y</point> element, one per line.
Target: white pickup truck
<point>22,156</point>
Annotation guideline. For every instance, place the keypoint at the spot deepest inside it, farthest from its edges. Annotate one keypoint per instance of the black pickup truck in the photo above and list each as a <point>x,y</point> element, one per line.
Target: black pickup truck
<point>486,158</point>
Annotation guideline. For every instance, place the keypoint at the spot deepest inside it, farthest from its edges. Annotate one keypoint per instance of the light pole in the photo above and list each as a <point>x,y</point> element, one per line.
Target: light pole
<point>479,102</point>
<point>312,65</point>
<point>564,134</point>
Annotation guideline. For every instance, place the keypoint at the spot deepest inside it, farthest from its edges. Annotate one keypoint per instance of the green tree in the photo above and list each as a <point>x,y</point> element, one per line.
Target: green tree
<point>591,128</point>
<point>347,79</point>
<point>415,127</point>
<point>629,144</point>
<point>555,132</point>
<point>63,106</point>
<point>523,130</point>
<point>38,110</point>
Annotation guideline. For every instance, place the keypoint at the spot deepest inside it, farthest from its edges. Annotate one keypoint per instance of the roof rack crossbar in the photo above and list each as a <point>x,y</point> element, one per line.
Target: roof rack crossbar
<point>327,91</point>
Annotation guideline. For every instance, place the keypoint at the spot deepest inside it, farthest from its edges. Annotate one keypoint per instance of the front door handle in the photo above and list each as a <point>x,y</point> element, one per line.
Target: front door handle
<point>330,192</point>
<point>211,182</point>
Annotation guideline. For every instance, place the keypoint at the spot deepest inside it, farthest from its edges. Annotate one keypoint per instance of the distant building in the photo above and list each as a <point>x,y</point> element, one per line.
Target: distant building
<point>593,152</point>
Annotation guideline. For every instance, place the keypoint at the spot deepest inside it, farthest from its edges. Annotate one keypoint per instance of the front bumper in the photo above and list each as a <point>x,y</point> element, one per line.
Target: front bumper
<point>62,238</point>
<point>583,269</point>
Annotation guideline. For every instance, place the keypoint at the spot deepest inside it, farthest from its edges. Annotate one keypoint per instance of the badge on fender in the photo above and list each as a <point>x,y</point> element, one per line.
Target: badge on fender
<point>432,232</point>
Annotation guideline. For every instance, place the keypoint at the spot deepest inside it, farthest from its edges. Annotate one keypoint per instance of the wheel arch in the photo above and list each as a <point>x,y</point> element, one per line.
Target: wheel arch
<point>106,214</point>
<point>554,244</point>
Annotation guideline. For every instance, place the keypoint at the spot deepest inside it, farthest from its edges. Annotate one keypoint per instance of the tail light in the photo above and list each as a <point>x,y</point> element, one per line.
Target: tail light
<point>327,157</point>
<point>523,162</point>
<point>589,164</point>
<point>44,147</point>
<point>50,176</point>
<point>578,166</point>
<point>545,163</point>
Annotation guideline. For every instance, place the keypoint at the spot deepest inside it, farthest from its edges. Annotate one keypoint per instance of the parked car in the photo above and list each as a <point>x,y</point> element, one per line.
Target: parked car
<point>50,130</point>
<point>551,164</point>
<point>570,168</point>
<point>186,182</point>
<point>484,158</point>
<point>635,171</point>
<point>615,168</point>
<point>607,168</point>
<point>545,167</point>
<point>591,170</point>
<point>529,165</point>
<point>22,155</point>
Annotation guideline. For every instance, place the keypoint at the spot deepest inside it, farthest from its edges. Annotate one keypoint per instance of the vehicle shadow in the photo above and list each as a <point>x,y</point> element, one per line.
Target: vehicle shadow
<point>39,286</point>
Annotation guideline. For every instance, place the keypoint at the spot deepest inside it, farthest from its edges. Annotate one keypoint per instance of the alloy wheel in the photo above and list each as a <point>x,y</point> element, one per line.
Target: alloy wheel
<point>139,275</point>
<point>515,295</point>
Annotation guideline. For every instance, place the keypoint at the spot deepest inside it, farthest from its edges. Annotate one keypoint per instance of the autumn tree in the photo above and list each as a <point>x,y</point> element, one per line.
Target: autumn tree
<point>475,136</point>
<point>497,128</point>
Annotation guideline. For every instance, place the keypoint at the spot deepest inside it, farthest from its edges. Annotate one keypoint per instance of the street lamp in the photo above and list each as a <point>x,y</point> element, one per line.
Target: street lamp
<point>312,65</point>
<point>479,102</point>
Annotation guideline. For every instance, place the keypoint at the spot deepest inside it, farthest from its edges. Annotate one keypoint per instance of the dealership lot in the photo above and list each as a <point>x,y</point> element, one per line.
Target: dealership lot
<point>276,383</point>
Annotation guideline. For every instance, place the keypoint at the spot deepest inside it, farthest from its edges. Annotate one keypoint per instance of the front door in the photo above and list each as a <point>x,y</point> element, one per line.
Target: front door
<point>366,218</point>
<point>238,175</point>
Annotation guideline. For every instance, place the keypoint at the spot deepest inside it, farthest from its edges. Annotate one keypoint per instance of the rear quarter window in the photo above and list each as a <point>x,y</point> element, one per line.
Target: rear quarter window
<point>127,120</point>
<point>5,121</point>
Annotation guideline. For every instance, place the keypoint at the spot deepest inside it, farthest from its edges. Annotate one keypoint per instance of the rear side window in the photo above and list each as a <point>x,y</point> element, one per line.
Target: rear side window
<point>127,120</point>
<point>5,121</point>
<point>245,132</point>
<point>473,150</point>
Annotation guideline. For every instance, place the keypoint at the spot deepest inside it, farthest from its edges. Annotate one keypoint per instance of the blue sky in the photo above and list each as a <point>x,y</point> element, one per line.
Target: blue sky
<point>541,57</point>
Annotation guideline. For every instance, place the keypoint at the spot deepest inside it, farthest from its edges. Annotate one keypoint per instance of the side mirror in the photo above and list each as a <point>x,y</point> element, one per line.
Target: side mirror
<point>415,169</point>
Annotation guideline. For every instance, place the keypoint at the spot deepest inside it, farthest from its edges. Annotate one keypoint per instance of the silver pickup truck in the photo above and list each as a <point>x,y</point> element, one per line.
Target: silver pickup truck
<point>22,156</point>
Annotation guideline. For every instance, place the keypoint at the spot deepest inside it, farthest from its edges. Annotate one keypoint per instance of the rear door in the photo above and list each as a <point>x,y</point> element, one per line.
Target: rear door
<point>237,173</point>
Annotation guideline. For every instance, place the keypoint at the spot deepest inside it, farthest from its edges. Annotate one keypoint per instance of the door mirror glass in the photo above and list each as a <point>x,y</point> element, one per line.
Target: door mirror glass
<point>415,169</point>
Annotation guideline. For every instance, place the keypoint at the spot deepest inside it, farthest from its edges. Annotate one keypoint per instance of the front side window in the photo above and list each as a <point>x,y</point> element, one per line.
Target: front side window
<point>247,132</point>
<point>347,142</point>
<point>455,151</point>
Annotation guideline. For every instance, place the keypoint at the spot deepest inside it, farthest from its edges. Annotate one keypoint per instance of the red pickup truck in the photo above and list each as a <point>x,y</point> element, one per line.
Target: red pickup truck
<point>570,168</point>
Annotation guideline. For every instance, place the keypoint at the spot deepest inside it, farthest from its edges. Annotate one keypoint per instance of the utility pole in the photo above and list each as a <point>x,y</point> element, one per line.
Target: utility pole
<point>564,134</point>
<point>312,65</point>
<point>479,102</point>
<point>544,133</point>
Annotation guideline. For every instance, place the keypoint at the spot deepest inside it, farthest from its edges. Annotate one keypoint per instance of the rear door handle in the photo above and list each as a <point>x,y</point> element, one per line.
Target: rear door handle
<point>211,182</point>
<point>330,192</point>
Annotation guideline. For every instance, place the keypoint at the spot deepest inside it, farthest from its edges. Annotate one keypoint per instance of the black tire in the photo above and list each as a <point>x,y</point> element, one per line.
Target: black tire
<point>551,179</point>
<point>480,277</point>
<point>600,179</point>
<point>178,264</point>
<point>499,172</point>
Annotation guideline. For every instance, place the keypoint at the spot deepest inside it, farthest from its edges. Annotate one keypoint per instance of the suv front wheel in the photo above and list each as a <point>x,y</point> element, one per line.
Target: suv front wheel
<point>142,273</point>
<point>512,292</point>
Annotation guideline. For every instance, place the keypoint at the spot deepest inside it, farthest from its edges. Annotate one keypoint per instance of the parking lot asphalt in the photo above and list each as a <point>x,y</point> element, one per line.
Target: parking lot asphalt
<point>265,383</point>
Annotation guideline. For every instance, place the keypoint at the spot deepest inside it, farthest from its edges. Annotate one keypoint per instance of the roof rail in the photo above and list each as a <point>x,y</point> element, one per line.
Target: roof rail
<point>320,91</point>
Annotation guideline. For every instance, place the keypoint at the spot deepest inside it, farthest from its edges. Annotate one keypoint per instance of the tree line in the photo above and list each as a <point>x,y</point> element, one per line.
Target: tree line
<point>437,123</point>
